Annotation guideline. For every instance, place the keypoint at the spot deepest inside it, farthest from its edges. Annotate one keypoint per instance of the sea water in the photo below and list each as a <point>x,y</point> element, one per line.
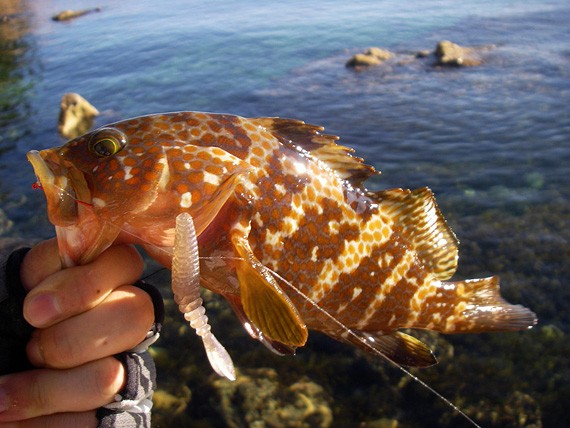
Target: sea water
<point>492,141</point>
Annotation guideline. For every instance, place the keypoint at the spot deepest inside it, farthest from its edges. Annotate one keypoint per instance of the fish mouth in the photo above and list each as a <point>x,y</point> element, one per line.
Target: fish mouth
<point>81,235</point>
<point>60,195</point>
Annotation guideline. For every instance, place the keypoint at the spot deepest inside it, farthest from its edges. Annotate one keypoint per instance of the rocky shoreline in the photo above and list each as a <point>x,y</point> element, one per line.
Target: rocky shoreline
<point>445,54</point>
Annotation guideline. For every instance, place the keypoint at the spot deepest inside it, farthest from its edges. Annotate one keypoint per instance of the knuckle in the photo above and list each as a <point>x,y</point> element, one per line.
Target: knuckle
<point>136,262</point>
<point>109,376</point>
<point>38,397</point>
<point>57,347</point>
<point>88,291</point>
<point>139,307</point>
<point>132,263</point>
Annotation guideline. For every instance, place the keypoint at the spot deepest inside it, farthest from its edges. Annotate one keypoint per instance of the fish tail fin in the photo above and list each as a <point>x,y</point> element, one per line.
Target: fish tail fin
<point>479,307</point>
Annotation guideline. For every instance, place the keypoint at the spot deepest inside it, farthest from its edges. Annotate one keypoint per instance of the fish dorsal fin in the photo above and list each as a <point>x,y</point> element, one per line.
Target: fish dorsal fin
<point>424,226</point>
<point>399,347</point>
<point>296,133</point>
<point>264,303</point>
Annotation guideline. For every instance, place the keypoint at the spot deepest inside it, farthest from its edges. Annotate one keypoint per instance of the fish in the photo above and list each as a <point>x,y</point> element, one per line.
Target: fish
<point>287,231</point>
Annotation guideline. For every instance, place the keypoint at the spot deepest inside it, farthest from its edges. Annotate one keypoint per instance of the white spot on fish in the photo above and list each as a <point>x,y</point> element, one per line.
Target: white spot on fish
<point>257,219</point>
<point>211,178</point>
<point>314,253</point>
<point>165,176</point>
<point>99,203</point>
<point>186,200</point>
<point>356,292</point>
<point>300,167</point>
<point>128,174</point>
<point>280,189</point>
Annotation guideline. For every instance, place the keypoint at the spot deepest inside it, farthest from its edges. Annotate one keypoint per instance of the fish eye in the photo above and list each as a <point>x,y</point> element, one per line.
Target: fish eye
<point>107,142</point>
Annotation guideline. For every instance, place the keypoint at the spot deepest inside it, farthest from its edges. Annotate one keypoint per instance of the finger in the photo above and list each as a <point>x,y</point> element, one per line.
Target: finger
<point>44,392</point>
<point>39,263</point>
<point>77,289</point>
<point>59,420</point>
<point>119,323</point>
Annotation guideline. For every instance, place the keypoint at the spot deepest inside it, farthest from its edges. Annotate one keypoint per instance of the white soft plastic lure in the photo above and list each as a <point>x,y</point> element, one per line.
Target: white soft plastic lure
<point>186,289</point>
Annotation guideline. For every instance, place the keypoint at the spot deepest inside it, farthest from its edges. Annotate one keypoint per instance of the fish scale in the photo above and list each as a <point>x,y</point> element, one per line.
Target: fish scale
<point>328,275</point>
<point>287,232</point>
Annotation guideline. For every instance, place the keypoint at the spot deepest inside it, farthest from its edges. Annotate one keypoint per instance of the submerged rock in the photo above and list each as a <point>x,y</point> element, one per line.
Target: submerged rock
<point>451,54</point>
<point>423,53</point>
<point>66,15</point>
<point>5,223</point>
<point>258,399</point>
<point>76,115</point>
<point>172,404</point>
<point>372,56</point>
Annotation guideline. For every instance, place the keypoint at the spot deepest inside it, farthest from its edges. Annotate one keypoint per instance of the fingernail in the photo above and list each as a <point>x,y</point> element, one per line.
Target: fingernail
<point>42,309</point>
<point>34,351</point>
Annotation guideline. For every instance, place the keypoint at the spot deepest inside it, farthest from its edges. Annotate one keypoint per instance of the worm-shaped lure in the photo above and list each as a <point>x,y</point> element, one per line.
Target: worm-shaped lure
<point>186,289</point>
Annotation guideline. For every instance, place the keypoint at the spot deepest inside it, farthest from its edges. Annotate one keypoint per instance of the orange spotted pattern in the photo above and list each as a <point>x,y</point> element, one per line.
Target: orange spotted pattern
<point>375,261</point>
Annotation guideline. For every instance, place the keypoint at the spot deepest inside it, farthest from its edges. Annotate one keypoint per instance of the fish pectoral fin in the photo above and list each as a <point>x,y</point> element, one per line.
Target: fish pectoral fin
<point>204,215</point>
<point>397,346</point>
<point>264,303</point>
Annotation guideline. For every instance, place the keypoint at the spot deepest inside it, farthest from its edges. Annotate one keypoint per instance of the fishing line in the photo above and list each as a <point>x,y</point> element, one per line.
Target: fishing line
<point>374,350</point>
<point>346,329</point>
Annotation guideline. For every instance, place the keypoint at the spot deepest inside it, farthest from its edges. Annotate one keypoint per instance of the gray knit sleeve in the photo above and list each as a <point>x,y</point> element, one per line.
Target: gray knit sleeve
<point>15,331</point>
<point>132,406</point>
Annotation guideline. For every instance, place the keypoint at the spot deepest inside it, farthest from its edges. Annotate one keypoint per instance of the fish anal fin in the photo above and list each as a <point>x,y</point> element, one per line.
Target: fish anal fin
<point>424,227</point>
<point>264,303</point>
<point>295,133</point>
<point>399,347</point>
<point>482,309</point>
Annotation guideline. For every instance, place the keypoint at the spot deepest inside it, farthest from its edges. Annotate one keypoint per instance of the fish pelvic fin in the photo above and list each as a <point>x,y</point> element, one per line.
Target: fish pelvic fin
<point>264,303</point>
<point>298,134</point>
<point>251,329</point>
<point>480,308</point>
<point>427,232</point>
<point>399,347</point>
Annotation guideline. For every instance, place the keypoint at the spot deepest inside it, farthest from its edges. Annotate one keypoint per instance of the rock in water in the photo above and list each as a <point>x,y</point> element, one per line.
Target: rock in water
<point>76,115</point>
<point>373,56</point>
<point>67,15</point>
<point>451,54</point>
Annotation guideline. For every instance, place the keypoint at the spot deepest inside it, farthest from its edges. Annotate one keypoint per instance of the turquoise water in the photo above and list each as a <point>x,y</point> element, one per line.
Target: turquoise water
<point>492,141</point>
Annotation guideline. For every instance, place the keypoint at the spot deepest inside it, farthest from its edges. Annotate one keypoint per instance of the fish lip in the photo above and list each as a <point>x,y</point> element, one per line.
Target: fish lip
<point>58,189</point>
<point>44,174</point>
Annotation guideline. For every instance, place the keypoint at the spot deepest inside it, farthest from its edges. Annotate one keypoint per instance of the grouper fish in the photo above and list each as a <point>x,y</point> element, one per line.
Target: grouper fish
<point>287,232</point>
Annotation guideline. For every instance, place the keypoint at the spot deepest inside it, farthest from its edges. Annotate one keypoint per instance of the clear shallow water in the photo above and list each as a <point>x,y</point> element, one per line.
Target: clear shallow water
<point>492,142</point>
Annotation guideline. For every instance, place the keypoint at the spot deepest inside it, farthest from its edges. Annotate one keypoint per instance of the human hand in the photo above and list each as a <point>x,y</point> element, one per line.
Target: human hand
<point>80,314</point>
